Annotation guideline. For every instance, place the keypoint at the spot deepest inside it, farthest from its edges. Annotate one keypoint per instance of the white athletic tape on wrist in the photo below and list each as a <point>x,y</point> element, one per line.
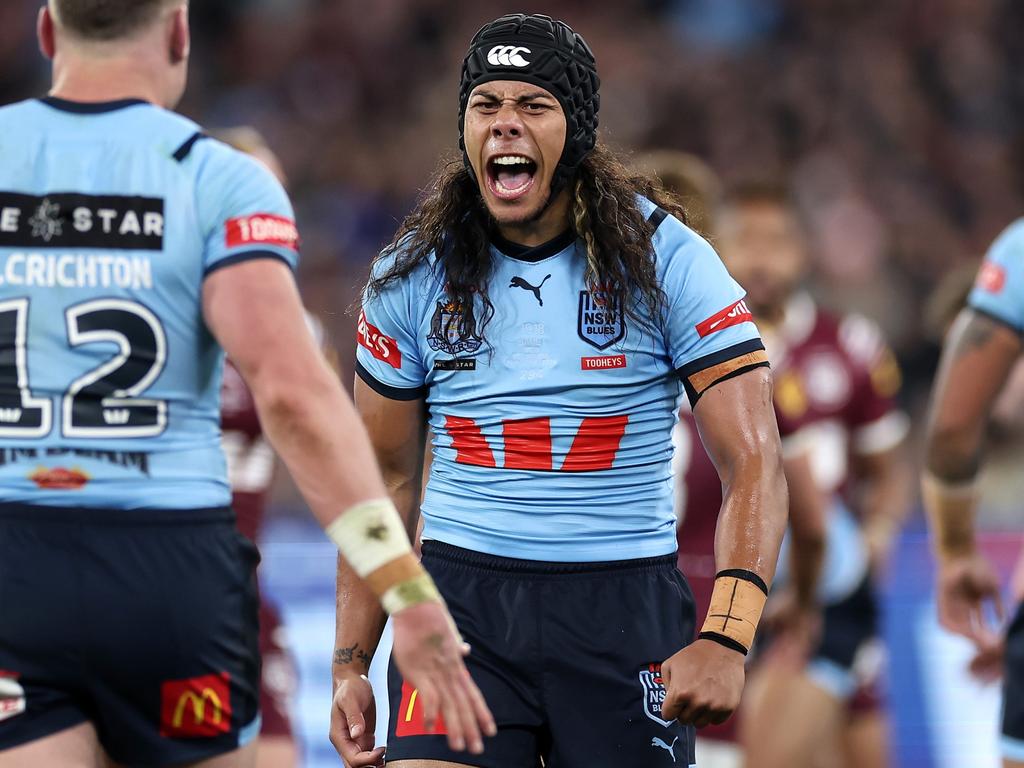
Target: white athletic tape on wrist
<point>370,535</point>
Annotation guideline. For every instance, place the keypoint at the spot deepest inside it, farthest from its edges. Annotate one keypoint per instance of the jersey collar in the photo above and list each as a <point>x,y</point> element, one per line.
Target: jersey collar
<point>536,252</point>
<point>89,107</point>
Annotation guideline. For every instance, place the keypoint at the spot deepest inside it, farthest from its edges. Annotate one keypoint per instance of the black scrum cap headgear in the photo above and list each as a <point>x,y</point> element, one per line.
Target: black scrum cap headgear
<point>539,50</point>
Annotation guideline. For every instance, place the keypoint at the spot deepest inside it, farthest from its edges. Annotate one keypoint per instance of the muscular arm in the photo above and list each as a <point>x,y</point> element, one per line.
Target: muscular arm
<point>254,311</point>
<point>976,361</point>
<point>737,425</point>
<point>397,429</point>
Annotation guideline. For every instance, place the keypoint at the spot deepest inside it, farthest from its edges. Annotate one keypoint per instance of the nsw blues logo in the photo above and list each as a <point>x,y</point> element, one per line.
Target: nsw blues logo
<point>654,694</point>
<point>600,322</point>
<point>453,331</point>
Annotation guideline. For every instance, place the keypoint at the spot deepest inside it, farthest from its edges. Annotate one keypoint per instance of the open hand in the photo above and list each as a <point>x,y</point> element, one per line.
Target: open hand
<point>429,653</point>
<point>353,719</point>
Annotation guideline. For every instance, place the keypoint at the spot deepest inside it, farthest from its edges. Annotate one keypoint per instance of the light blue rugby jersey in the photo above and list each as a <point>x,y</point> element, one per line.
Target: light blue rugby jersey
<point>999,289</point>
<point>111,215</point>
<point>555,445</point>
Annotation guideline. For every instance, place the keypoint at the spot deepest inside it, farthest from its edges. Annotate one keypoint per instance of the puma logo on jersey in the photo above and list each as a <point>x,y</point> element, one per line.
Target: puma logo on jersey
<point>508,56</point>
<point>660,744</point>
<point>734,314</point>
<point>518,282</point>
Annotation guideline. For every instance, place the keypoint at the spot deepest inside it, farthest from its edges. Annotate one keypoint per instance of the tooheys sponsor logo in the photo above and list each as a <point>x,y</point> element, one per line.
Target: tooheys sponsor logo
<point>262,229</point>
<point>991,278</point>
<point>199,707</point>
<point>384,348</point>
<point>734,314</point>
<point>602,362</point>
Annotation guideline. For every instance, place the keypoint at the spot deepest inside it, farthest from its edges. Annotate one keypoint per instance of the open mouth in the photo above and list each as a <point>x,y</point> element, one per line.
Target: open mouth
<point>509,177</point>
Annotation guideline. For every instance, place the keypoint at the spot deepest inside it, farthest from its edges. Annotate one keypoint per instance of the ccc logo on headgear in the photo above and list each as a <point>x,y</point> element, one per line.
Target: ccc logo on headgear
<point>507,56</point>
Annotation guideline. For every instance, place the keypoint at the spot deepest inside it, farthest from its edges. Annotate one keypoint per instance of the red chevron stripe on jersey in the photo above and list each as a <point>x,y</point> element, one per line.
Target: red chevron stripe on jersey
<point>528,443</point>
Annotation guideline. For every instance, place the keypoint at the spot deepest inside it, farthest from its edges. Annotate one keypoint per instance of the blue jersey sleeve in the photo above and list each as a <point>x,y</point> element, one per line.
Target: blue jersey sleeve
<point>710,333</point>
<point>999,289</point>
<point>243,209</point>
<point>388,359</point>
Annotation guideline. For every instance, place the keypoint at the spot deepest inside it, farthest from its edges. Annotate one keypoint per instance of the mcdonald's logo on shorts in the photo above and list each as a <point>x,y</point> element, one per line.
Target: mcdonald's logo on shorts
<point>196,708</point>
<point>410,716</point>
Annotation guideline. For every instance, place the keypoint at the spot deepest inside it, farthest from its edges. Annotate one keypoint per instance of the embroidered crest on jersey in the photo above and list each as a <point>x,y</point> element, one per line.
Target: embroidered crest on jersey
<point>732,315</point>
<point>653,687</point>
<point>452,330</point>
<point>600,322</point>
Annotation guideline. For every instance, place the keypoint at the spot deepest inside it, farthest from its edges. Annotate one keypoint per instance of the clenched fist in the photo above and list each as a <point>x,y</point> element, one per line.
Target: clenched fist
<point>703,684</point>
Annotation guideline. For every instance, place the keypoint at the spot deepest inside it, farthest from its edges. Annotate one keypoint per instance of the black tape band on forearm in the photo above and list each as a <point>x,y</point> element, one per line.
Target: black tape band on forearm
<point>728,642</point>
<point>743,573</point>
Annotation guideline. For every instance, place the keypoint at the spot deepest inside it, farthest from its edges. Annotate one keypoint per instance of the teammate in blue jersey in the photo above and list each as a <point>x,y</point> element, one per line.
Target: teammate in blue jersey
<point>981,349</point>
<point>132,254</point>
<point>543,313</point>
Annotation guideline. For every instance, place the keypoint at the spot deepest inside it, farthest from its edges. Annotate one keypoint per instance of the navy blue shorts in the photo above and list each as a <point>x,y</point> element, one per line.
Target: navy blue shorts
<point>142,622</point>
<point>1012,746</point>
<point>568,656</point>
<point>849,659</point>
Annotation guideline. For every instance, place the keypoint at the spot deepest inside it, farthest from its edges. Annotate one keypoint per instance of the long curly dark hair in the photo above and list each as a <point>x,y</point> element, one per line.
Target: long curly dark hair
<point>452,221</point>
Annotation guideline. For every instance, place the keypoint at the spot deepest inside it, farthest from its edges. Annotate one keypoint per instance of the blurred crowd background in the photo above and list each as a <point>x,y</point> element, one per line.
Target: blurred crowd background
<point>897,122</point>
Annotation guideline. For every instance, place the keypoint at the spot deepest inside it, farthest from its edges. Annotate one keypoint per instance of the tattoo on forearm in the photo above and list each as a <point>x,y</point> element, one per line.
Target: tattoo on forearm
<point>350,654</point>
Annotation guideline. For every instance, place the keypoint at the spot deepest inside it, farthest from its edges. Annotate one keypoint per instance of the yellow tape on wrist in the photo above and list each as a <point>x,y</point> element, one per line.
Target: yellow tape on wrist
<point>406,594</point>
<point>737,602</point>
<point>950,509</point>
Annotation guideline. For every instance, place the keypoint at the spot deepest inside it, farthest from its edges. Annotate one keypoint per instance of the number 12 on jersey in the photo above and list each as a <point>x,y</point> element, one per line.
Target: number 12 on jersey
<point>101,403</point>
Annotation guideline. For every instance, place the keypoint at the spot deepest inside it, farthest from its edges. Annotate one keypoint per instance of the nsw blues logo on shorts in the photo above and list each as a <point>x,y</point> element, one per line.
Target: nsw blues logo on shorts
<point>654,693</point>
<point>12,695</point>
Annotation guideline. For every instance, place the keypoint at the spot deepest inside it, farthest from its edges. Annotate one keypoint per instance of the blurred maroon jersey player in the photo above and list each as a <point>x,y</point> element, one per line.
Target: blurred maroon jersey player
<point>838,377</point>
<point>251,463</point>
<point>250,471</point>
